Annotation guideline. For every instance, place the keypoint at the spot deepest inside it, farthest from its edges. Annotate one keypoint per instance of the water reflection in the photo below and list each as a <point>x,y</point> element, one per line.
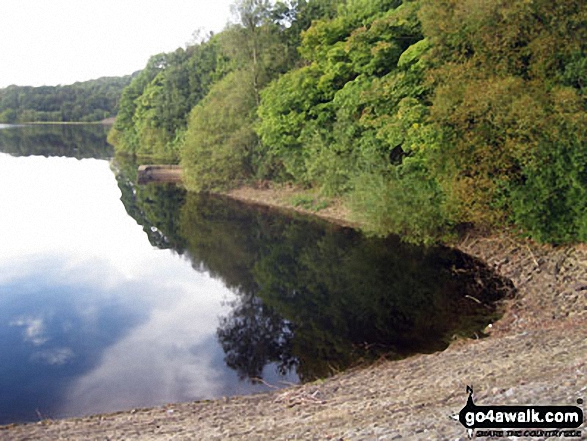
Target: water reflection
<point>340,297</point>
<point>93,318</point>
<point>70,140</point>
<point>315,298</point>
<point>52,333</point>
<point>114,295</point>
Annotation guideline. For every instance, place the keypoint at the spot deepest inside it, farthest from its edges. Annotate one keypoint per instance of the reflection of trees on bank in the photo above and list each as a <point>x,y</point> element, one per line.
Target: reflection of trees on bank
<point>75,141</point>
<point>354,299</point>
<point>313,296</point>
<point>223,239</point>
<point>344,297</point>
<point>254,335</point>
<point>155,207</point>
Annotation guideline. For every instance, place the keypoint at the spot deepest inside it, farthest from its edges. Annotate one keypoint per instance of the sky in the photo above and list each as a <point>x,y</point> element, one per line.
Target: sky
<point>63,41</point>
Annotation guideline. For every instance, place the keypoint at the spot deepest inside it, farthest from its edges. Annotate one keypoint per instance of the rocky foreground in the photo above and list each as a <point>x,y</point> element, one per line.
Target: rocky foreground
<point>536,354</point>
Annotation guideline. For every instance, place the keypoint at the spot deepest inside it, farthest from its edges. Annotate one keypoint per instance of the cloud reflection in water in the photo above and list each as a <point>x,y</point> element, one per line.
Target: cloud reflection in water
<point>92,317</point>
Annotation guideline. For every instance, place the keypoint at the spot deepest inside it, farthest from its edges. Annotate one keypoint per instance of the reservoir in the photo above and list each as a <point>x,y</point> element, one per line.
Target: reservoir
<point>115,296</point>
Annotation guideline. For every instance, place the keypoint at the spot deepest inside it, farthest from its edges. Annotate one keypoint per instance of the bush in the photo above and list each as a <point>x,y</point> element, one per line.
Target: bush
<point>403,201</point>
<point>549,200</point>
<point>220,139</point>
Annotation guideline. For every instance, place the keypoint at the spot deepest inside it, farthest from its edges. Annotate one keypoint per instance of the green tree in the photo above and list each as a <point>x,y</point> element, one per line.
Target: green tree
<point>219,143</point>
<point>319,119</point>
<point>509,99</point>
<point>155,107</point>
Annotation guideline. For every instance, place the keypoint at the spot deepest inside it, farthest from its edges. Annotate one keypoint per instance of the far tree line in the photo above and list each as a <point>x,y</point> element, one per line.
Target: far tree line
<point>87,101</point>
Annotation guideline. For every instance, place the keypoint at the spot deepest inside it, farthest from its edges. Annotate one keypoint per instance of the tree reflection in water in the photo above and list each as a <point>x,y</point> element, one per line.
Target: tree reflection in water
<point>319,298</point>
<point>72,141</point>
<point>253,336</point>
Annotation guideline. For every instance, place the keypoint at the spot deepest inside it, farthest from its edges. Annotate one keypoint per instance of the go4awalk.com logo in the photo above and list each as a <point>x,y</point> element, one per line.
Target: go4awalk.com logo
<point>520,421</point>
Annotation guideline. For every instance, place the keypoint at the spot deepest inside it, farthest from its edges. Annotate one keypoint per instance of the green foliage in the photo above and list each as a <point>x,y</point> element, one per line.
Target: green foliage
<point>88,101</point>
<point>549,197</point>
<point>311,118</point>
<point>154,108</point>
<point>221,148</point>
<point>405,200</point>
<point>124,133</point>
<point>296,16</point>
<point>219,143</point>
<point>292,108</point>
<point>509,98</point>
<point>426,114</point>
<point>309,202</point>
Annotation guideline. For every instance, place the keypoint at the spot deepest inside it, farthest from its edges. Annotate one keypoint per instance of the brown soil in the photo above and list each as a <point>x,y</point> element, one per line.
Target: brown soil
<point>536,354</point>
<point>281,198</point>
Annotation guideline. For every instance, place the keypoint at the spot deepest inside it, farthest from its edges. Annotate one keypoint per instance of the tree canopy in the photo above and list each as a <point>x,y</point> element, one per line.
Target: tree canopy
<point>424,115</point>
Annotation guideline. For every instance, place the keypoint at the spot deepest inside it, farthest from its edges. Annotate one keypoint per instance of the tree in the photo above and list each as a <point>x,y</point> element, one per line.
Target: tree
<point>218,148</point>
<point>315,118</point>
<point>155,107</point>
<point>510,103</point>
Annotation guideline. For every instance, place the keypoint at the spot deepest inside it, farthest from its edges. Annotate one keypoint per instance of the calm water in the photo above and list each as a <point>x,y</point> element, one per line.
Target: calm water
<point>114,295</point>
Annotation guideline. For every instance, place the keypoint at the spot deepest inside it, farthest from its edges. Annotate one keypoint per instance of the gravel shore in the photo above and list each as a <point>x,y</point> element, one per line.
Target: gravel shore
<point>535,354</point>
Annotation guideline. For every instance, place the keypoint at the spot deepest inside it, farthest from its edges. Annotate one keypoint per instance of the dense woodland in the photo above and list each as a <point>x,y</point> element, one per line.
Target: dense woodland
<point>87,101</point>
<point>424,115</point>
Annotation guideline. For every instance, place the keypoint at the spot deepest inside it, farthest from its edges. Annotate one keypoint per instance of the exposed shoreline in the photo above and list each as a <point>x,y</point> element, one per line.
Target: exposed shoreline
<point>281,198</point>
<point>536,354</point>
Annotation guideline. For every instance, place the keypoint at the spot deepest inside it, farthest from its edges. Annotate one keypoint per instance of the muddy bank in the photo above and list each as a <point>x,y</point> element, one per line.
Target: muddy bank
<point>287,198</point>
<point>536,354</point>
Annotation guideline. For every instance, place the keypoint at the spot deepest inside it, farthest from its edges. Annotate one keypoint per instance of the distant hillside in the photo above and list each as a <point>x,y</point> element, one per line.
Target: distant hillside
<point>86,101</point>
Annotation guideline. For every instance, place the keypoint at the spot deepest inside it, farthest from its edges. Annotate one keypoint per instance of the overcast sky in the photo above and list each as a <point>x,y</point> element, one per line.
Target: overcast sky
<point>55,42</point>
